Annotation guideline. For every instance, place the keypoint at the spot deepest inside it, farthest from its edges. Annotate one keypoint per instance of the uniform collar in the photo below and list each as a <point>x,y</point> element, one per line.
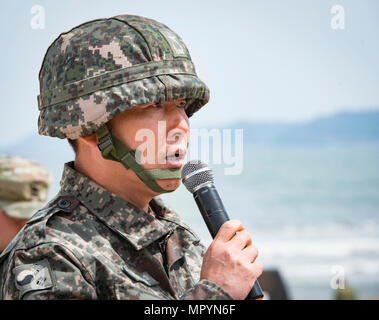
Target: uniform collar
<point>137,226</point>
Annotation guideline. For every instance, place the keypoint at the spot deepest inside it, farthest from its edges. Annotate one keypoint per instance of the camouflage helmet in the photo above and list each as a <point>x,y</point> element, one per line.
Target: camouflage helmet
<point>106,66</point>
<point>23,186</point>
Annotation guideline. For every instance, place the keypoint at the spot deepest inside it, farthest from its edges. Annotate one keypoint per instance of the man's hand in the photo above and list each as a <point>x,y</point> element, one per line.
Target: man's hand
<point>230,260</point>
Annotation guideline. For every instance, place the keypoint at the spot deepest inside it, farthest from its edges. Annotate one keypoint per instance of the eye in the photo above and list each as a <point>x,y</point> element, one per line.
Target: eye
<point>182,104</point>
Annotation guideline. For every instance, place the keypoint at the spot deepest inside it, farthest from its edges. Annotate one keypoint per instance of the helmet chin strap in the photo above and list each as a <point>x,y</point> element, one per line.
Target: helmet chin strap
<point>113,148</point>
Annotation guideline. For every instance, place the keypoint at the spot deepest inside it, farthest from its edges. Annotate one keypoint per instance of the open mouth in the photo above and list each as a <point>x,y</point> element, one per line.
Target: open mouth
<point>176,159</point>
<point>176,156</point>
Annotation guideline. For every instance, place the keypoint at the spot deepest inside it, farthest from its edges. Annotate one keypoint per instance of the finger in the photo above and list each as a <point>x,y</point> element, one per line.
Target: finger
<point>241,239</point>
<point>228,230</point>
<point>250,253</point>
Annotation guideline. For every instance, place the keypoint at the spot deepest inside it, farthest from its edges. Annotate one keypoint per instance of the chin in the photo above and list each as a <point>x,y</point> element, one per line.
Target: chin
<point>170,184</point>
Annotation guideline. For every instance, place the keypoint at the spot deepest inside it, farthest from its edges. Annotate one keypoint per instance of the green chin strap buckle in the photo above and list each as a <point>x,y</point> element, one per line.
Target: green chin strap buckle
<point>112,148</point>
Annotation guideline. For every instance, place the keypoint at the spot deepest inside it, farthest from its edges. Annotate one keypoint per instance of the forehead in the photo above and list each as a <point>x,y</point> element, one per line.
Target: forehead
<point>138,109</point>
<point>143,112</point>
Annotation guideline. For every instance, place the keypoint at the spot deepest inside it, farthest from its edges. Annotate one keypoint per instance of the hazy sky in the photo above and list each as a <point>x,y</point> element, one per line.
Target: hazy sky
<point>263,60</point>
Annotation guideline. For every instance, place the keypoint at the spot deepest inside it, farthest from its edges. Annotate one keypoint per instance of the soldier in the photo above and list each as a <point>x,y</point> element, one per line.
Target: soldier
<point>106,235</point>
<point>23,190</point>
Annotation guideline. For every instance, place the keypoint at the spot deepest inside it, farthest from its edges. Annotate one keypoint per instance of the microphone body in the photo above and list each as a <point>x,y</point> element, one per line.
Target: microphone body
<point>211,208</point>
<point>214,214</point>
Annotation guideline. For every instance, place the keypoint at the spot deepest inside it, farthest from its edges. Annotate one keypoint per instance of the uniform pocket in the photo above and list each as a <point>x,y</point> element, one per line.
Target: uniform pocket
<point>136,292</point>
<point>143,277</point>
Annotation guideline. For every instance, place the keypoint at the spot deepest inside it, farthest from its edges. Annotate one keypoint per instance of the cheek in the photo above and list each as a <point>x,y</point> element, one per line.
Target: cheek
<point>146,135</point>
<point>133,131</point>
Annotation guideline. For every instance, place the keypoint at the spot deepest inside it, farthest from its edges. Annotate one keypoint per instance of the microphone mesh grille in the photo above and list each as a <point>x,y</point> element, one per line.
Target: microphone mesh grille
<point>204,174</point>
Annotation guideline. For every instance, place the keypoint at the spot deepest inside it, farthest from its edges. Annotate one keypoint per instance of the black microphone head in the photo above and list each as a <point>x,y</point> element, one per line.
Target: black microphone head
<point>195,174</point>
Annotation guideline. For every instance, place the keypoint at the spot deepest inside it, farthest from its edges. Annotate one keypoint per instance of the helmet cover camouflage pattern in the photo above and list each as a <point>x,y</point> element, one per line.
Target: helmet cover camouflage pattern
<point>23,186</point>
<point>106,66</point>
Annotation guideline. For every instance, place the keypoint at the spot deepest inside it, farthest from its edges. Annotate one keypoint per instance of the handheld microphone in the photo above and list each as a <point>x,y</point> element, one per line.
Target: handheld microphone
<point>197,177</point>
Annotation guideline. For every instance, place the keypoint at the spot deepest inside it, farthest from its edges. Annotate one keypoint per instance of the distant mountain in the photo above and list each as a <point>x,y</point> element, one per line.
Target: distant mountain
<point>341,128</point>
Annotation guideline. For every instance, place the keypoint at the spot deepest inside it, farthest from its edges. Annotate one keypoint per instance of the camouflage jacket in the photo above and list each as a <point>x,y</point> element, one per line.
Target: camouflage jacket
<point>88,243</point>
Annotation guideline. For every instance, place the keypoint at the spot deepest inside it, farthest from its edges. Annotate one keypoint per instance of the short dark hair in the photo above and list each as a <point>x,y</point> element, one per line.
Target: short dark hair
<point>73,144</point>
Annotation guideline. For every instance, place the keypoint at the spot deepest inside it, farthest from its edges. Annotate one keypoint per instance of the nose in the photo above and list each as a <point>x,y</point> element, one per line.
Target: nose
<point>177,120</point>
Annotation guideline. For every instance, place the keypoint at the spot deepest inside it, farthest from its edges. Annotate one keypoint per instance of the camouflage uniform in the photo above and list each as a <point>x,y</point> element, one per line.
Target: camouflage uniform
<point>88,243</point>
<point>23,186</point>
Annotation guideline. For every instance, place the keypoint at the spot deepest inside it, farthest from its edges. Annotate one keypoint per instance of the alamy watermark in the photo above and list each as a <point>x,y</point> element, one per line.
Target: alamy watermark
<point>338,19</point>
<point>37,20</point>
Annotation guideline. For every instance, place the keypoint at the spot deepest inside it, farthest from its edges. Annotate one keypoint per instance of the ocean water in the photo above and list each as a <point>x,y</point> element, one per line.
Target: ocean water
<point>313,213</point>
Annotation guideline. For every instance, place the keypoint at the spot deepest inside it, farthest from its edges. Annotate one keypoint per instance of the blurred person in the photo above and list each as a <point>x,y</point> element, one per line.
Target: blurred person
<point>23,191</point>
<point>107,234</point>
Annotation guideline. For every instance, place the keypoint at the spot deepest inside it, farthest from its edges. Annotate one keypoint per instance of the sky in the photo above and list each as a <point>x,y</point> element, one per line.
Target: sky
<point>263,60</point>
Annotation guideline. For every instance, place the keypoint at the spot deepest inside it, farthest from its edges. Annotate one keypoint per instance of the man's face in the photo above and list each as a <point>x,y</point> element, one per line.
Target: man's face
<point>160,132</point>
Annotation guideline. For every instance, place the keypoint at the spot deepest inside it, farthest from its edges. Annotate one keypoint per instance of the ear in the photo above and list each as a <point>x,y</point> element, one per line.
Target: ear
<point>90,140</point>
